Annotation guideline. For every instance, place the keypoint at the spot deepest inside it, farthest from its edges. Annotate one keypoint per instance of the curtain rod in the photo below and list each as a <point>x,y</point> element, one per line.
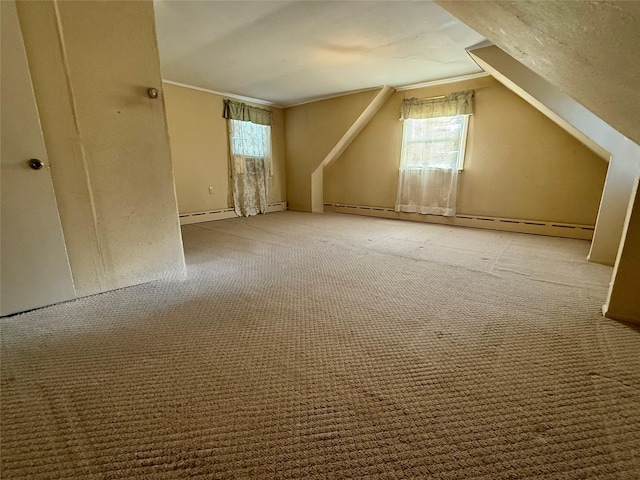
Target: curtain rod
<point>443,96</point>
<point>425,99</point>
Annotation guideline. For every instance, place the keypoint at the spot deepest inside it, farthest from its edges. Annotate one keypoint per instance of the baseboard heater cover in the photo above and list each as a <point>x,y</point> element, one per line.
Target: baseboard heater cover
<point>555,229</point>
<point>211,215</point>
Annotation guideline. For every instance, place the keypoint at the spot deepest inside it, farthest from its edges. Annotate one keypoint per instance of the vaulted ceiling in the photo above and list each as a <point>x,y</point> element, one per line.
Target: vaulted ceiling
<point>289,52</point>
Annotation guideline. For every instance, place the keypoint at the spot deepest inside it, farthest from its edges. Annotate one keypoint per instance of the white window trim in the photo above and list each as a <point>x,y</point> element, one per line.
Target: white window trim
<point>463,147</point>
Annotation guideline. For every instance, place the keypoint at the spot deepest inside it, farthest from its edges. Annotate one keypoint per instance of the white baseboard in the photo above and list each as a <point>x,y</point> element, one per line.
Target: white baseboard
<point>554,229</point>
<point>277,207</point>
<point>199,217</point>
<point>209,216</point>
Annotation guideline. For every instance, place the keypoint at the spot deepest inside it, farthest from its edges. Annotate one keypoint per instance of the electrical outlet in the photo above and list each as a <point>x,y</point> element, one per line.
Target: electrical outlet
<point>210,190</point>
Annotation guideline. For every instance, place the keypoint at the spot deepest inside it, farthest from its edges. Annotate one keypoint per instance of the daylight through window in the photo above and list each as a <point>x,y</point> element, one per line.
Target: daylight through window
<point>434,142</point>
<point>249,139</point>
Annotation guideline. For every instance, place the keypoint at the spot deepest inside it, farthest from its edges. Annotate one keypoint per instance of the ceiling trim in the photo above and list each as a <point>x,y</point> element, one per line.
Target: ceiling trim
<point>337,95</point>
<point>443,81</point>
<point>223,94</point>
<point>413,86</point>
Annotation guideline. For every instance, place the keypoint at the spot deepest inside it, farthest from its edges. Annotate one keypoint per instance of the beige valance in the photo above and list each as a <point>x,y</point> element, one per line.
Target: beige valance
<point>246,113</point>
<point>457,103</point>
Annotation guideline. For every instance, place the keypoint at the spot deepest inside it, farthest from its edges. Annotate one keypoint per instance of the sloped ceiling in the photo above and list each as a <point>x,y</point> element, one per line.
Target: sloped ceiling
<point>588,49</point>
<point>289,52</point>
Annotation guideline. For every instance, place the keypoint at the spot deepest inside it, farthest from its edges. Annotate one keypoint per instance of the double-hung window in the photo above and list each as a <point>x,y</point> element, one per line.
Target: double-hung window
<point>435,142</point>
<point>433,146</point>
<point>249,139</point>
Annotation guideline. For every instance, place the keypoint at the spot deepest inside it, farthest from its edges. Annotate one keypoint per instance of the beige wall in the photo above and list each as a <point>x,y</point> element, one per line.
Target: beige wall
<point>311,131</point>
<point>553,39</point>
<point>624,155</point>
<point>199,148</point>
<point>106,139</point>
<point>519,164</point>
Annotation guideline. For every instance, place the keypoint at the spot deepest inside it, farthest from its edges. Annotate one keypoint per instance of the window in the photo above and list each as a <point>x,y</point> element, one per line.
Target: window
<point>249,139</point>
<point>250,156</point>
<point>434,142</point>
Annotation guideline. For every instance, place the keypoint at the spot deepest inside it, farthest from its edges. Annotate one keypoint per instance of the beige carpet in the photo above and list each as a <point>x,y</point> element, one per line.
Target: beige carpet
<point>330,347</point>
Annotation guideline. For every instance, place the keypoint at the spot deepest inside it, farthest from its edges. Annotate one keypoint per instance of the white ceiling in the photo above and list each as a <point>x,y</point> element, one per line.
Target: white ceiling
<point>290,52</point>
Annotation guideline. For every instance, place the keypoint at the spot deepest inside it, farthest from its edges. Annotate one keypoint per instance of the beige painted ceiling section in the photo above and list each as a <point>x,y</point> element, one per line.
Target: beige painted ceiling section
<point>290,52</point>
<point>588,49</point>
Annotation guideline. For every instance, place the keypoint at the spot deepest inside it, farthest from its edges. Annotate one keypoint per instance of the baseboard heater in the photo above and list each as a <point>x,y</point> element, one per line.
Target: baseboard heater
<point>209,216</point>
<point>554,229</point>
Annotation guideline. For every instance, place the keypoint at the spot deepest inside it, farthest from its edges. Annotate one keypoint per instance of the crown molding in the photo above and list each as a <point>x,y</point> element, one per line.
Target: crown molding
<point>443,81</point>
<point>336,95</point>
<point>413,86</point>
<point>223,94</point>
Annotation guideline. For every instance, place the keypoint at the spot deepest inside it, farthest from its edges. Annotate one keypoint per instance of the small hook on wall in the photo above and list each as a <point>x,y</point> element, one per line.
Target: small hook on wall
<point>152,92</point>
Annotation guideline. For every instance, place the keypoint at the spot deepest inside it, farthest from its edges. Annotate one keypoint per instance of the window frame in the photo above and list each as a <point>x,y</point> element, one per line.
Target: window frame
<point>265,155</point>
<point>463,135</point>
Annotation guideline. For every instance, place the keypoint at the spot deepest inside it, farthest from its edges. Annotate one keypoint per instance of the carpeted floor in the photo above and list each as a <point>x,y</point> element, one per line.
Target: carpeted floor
<point>332,347</point>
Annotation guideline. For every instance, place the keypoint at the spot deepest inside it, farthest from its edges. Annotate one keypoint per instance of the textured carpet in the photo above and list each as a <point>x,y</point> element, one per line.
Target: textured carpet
<point>331,346</point>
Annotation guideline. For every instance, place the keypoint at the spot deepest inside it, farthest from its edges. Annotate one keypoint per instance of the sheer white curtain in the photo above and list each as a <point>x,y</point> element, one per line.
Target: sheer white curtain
<point>250,148</point>
<point>434,132</point>
<point>429,191</point>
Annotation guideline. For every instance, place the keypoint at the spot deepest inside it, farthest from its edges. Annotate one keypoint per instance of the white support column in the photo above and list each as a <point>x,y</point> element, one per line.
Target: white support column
<point>317,177</point>
<point>617,192</point>
<point>623,302</point>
